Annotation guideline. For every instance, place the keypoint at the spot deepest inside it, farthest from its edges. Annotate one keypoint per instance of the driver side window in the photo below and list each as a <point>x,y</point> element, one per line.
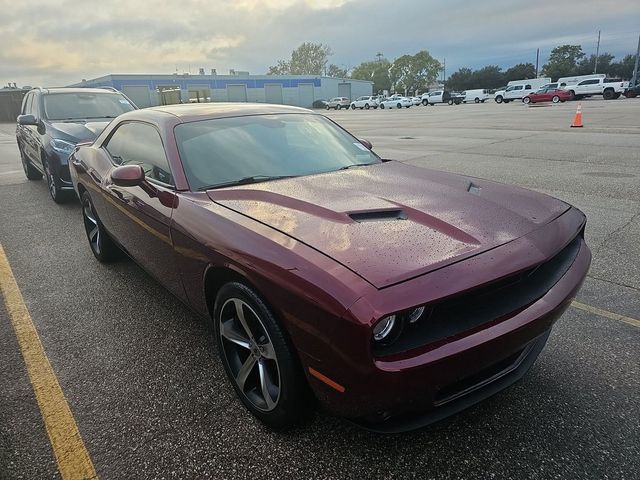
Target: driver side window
<point>140,144</point>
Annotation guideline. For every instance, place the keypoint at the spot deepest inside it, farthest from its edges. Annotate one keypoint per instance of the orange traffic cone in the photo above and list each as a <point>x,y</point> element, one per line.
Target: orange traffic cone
<point>577,119</point>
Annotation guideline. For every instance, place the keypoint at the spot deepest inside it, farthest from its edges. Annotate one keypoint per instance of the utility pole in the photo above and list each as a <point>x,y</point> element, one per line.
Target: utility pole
<point>537,60</point>
<point>595,68</point>
<point>444,69</point>
<point>634,78</point>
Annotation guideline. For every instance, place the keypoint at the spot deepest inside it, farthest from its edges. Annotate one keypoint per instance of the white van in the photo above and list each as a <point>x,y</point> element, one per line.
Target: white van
<point>564,81</point>
<point>517,89</point>
<point>477,96</point>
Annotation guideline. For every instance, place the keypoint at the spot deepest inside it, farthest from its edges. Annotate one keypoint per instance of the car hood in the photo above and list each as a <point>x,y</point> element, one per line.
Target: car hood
<point>80,131</point>
<point>391,222</point>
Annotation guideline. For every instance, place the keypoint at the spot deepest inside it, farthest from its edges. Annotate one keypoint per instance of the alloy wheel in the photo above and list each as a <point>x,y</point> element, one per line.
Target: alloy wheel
<point>250,354</point>
<point>91,225</point>
<point>51,184</point>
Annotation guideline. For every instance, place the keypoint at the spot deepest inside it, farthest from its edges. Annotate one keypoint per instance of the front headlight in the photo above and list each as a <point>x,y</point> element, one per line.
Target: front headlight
<point>62,146</point>
<point>383,328</point>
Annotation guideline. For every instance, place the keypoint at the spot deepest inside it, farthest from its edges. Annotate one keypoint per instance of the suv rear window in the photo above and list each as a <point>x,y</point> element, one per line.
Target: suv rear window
<point>77,106</point>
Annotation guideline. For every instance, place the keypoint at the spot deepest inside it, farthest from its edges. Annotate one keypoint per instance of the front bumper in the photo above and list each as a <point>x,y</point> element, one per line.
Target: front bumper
<point>408,392</point>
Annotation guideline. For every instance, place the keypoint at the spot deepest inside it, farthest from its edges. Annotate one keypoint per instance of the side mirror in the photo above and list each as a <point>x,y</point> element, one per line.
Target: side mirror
<point>27,120</point>
<point>367,144</point>
<point>127,176</point>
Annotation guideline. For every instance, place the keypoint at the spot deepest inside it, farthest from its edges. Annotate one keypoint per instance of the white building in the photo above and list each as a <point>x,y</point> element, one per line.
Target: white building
<point>301,90</point>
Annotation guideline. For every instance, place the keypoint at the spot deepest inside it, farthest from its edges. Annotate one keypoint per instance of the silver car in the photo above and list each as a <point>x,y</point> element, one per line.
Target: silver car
<point>338,103</point>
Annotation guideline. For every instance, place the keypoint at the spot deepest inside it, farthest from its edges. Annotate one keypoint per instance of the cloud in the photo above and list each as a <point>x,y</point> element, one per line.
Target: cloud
<point>60,42</point>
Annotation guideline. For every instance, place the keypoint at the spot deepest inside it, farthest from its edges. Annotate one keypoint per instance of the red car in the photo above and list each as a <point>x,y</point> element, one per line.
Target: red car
<point>394,294</point>
<point>547,94</point>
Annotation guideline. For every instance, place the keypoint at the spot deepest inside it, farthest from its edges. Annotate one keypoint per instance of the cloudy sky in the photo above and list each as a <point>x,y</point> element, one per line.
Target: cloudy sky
<point>57,42</point>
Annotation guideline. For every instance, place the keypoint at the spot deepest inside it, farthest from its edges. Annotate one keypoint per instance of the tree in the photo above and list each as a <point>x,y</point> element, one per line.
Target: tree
<point>281,68</point>
<point>563,61</point>
<point>308,59</point>
<point>623,68</point>
<point>376,71</point>
<point>520,71</point>
<point>588,64</point>
<point>409,73</point>
<point>336,72</point>
<point>490,76</point>
<point>461,80</point>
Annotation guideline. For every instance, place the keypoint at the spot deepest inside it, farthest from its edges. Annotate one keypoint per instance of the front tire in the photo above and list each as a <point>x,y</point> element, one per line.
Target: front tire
<point>29,170</point>
<point>476,100</point>
<point>366,106</point>
<point>555,99</point>
<point>608,95</point>
<point>526,100</point>
<point>382,106</point>
<point>499,99</point>
<point>353,107</point>
<point>57,194</point>
<point>102,247</point>
<point>258,359</point>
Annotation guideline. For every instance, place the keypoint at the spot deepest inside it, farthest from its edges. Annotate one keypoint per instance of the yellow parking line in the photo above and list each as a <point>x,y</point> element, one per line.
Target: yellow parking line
<point>606,313</point>
<point>69,450</point>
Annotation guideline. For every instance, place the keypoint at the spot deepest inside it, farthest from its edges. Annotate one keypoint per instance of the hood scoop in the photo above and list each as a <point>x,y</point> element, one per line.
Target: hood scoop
<point>378,216</point>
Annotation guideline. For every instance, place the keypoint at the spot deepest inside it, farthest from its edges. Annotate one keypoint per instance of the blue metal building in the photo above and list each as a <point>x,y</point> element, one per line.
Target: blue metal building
<point>300,90</point>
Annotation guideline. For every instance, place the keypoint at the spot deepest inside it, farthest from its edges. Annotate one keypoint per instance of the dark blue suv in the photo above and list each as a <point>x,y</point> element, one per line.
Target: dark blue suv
<point>53,121</point>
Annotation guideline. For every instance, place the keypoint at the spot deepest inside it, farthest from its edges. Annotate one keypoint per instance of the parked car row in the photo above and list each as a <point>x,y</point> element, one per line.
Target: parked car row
<point>294,314</point>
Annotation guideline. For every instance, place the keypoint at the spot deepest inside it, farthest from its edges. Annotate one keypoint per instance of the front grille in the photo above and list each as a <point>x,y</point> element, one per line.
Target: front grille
<point>470,311</point>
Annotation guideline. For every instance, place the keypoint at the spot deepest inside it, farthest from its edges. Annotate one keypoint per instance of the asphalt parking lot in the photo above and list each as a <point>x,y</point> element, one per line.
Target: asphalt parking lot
<point>150,399</point>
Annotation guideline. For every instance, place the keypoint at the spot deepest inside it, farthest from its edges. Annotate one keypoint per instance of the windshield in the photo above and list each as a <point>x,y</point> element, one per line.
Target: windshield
<point>80,106</point>
<point>221,151</point>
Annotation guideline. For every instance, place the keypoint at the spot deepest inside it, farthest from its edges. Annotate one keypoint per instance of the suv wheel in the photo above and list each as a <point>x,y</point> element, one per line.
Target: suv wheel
<point>257,357</point>
<point>499,99</point>
<point>608,94</point>
<point>29,170</point>
<point>58,195</point>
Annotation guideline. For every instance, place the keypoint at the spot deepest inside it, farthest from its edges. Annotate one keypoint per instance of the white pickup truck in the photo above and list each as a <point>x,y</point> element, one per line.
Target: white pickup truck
<point>609,88</point>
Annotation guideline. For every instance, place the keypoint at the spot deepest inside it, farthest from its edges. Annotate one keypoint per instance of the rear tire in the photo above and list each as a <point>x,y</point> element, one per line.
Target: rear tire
<point>366,106</point>
<point>450,102</point>
<point>258,358</point>
<point>353,107</point>
<point>526,100</point>
<point>425,103</point>
<point>338,107</point>
<point>382,106</point>
<point>102,247</point>
<point>572,95</point>
<point>399,105</point>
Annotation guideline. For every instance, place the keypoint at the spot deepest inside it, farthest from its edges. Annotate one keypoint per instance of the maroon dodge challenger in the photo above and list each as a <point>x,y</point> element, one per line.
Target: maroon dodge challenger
<point>395,295</point>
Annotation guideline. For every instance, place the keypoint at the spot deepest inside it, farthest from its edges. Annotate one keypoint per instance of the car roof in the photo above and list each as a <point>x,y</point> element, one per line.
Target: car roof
<point>188,112</point>
<point>76,90</point>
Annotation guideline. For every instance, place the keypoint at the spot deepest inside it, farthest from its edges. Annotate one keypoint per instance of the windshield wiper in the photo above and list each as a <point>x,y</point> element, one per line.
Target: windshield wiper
<point>246,181</point>
<point>347,167</point>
